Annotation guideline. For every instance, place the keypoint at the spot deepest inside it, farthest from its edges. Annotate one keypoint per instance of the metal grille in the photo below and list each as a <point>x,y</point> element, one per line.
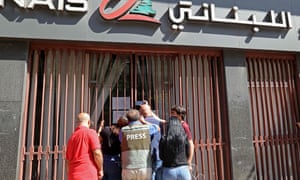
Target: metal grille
<point>203,94</point>
<point>62,82</point>
<point>273,92</point>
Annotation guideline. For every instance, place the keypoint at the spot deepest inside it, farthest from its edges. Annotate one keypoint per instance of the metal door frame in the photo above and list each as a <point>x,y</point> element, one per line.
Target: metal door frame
<point>201,75</point>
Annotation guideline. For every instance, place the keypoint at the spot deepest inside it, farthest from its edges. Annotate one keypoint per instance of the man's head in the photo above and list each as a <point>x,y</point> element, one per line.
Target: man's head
<point>114,128</point>
<point>122,121</point>
<point>145,110</point>
<point>138,104</point>
<point>133,115</point>
<point>83,119</point>
<point>178,111</point>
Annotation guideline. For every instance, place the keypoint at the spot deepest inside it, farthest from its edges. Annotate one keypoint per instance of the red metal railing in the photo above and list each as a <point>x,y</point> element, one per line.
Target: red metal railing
<point>62,82</point>
<point>272,82</point>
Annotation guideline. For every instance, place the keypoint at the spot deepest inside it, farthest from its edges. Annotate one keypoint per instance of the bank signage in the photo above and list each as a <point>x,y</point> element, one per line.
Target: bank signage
<point>184,13</point>
<point>142,10</point>
<point>61,5</point>
<point>281,20</point>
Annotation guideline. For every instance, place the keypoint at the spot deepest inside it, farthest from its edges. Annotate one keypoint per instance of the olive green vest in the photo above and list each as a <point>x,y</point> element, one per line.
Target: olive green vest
<point>135,147</point>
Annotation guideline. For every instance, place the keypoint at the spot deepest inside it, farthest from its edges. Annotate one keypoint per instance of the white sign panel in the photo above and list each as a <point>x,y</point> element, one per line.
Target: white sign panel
<point>120,103</point>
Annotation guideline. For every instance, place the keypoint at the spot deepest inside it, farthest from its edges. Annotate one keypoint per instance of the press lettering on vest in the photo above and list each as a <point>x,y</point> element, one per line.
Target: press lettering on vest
<point>136,136</point>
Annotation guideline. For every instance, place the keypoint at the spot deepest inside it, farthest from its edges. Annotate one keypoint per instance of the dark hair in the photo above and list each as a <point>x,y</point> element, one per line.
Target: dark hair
<point>173,145</point>
<point>174,130</point>
<point>144,102</point>
<point>179,110</point>
<point>139,103</point>
<point>122,121</point>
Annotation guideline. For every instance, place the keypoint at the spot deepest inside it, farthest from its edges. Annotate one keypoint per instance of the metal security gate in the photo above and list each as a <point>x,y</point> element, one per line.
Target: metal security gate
<point>272,82</point>
<point>63,81</point>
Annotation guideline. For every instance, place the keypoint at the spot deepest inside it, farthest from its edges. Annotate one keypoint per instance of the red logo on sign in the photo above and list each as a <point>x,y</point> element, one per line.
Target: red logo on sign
<point>121,13</point>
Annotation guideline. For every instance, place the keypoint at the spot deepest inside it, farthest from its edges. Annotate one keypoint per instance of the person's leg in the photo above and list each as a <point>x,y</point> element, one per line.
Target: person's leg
<point>112,170</point>
<point>156,166</point>
<point>144,174</point>
<point>115,173</point>
<point>169,173</point>
<point>106,167</point>
<point>158,170</point>
<point>129,174</point>
<point>153,170</point>
<point>183,173</point>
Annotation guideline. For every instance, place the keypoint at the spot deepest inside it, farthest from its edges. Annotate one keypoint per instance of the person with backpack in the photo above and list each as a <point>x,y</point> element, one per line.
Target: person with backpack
<point>174,151</point>
<point>180,112</point>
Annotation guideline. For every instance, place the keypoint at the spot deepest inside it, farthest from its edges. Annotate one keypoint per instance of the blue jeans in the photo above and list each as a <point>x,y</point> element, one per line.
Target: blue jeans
<point>111,167</point>
<point>176,173</point>
<point>156,170</point>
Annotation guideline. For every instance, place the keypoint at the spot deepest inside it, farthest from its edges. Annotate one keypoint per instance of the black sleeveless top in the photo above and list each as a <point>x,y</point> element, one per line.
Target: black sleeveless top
<point>173,146</point>
<point>110,142</point>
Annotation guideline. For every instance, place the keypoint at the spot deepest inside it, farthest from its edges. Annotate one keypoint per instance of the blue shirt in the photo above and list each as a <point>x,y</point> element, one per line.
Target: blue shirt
<point>155,138</point>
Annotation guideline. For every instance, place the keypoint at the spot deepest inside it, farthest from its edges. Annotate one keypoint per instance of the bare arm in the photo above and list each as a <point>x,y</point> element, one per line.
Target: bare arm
<point>100,139</point>
<point>143,121</point>
<point>98,158</point>
<point>67,166</point>
<point>100,127</point>
<point>191,154</point>
<point>160,120</point>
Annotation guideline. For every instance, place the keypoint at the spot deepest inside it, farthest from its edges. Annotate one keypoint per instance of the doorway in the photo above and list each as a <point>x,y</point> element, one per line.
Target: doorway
<point>63,81</point>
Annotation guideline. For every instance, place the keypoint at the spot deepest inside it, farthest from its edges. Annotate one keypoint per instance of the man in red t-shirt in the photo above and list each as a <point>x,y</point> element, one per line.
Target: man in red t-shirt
<point>84,157</point>
<point>180,112</point>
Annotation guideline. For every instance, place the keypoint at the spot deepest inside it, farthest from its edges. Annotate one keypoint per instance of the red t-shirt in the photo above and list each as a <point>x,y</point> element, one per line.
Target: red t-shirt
<point>80,154</point>
<point>187,130</point>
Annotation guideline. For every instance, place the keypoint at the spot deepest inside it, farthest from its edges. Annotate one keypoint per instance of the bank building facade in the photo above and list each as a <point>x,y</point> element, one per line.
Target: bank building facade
<point>234,65</point>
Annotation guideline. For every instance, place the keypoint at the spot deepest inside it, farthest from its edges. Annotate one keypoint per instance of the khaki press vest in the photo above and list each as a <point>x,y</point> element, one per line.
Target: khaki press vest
<point>135,147</point>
